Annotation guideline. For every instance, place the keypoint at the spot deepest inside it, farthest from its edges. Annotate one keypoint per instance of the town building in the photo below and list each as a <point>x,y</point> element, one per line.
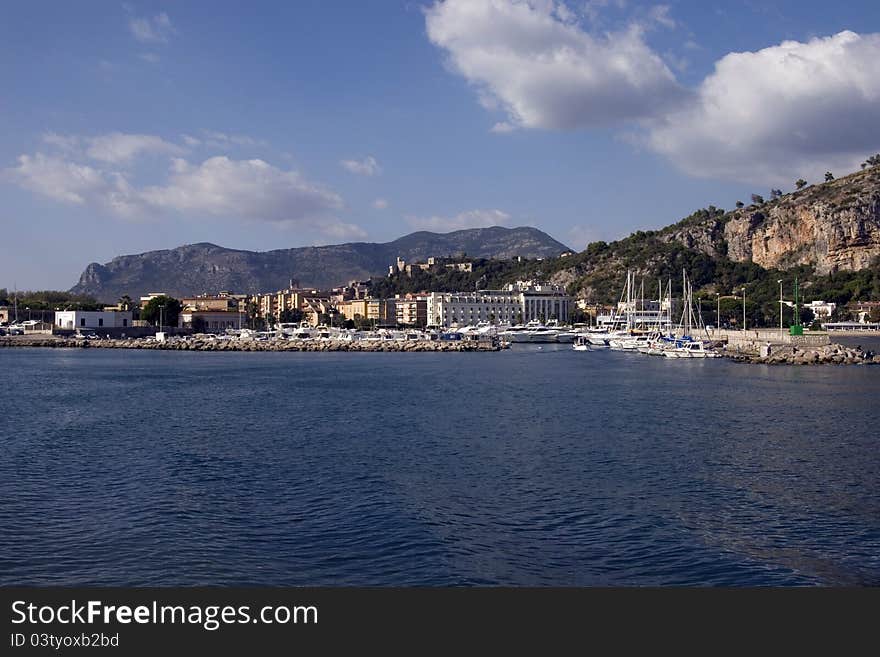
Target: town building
<point>433,264</point>
<point>274,304</point>
<point>519,302</point>
<point>862,310</point>
<point>211,321</point>
<point>213,313</point>
<point>411,310</point>
<point>379,311</point>
<point>821,309</point>
<point>149,297</point>
<point>220,302</point>
<point>92,319</point>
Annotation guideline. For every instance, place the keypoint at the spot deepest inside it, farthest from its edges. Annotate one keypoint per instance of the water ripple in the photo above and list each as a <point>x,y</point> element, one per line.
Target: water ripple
<point>519,468</point>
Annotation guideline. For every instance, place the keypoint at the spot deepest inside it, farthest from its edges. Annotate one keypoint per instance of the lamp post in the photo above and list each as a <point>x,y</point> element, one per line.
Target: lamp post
<point>744,307</point>
<point>718,310</point>
<point>161,308</point>
<point>780,305</point>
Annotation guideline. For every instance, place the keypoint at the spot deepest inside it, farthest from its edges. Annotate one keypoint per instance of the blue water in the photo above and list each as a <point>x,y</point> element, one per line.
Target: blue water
<point>527,467</point>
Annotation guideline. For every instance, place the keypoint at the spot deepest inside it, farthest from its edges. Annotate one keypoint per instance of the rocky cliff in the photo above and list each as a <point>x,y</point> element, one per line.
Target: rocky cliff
<point>831,227</point>
<point>834,226</point>
<point>200,268</point>
<point>823,229</point>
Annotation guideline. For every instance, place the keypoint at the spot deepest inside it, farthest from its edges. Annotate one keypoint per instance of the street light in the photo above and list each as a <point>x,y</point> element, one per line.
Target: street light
<point>718,311</point>
<point>744,307</point>
<point>161,308</point>
<point>780,304</point>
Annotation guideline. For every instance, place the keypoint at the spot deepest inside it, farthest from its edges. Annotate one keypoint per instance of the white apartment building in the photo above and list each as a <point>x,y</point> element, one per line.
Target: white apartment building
<point>821,309</point>
<point>520,302</point>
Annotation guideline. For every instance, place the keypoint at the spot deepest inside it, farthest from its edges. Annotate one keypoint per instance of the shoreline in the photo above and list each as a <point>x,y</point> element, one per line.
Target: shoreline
<point>278,345</point>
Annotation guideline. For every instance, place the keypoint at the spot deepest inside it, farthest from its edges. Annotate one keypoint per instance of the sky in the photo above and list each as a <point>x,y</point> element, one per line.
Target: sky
<point>129,127</point>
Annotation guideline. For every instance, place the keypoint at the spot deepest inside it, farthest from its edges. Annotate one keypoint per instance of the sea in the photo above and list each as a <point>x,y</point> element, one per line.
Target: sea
<point>534,466</point>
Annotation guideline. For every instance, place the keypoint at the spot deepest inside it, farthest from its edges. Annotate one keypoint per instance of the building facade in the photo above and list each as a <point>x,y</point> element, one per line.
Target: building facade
<point>92,319</point>
<point>821,309</point>
<point>211,321</point>
<point>411,310</point>
<point>519,303</point>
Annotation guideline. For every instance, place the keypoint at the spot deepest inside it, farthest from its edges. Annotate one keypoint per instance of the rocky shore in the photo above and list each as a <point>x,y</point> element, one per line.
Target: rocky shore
<point>199,344</point>
<point>831,354</point>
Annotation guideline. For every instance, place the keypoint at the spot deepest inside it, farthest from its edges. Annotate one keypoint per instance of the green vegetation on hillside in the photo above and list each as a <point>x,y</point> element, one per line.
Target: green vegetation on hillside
<point>694,244</point>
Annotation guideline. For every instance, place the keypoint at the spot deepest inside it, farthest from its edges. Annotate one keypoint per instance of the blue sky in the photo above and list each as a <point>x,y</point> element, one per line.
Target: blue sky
<point>128,127</point>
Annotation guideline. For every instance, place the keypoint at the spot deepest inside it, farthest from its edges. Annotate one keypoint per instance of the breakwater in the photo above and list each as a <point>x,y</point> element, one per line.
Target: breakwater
<point>831,354</point>
<point>200,344</point>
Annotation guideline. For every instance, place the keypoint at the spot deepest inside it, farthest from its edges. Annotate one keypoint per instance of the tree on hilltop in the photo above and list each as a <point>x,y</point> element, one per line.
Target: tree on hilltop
<point>800,183</point>
<point>757,199</point>
<point>829,176</point>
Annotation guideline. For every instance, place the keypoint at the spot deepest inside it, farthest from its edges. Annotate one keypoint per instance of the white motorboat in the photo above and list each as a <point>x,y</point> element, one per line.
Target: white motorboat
<point>692,349</point>
<point>582,343</point>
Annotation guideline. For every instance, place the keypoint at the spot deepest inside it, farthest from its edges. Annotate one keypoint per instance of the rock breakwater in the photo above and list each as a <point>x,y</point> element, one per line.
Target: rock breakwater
<point>196,344</point>
<point>831,354</point>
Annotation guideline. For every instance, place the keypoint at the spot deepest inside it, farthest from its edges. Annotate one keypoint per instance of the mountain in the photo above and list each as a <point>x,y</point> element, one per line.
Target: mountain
<point>828,235</point>
<point>199,268</point>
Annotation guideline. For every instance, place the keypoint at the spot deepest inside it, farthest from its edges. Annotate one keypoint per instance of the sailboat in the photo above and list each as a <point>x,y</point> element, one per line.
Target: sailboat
<point>686,346</point>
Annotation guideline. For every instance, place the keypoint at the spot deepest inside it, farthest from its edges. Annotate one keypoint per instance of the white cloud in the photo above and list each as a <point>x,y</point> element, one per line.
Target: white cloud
<point>219,186</point>
<point>65,143</point>
<point>659,14</point>
<point>75,184</point>
<point>380,203</point>
<point>529,59</point>
<point>150,57</point>
<point>339,230</point>
<point>593,8</point>
<point>792,110</point>
<point>190,141</point>
<point>250,189</point>
<point>157,29</point>
<point>224,140</point>
<point>366,167</point>
<point>502,127</point>
<point>121,148</point>
<point>580,236</point>
<point>469,219</point>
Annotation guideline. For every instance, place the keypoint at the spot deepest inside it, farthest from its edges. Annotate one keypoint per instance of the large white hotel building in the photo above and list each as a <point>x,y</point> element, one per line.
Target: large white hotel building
<point>518,303</point>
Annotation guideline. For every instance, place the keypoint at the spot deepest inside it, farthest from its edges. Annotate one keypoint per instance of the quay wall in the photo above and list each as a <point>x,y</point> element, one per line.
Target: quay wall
<point>752,340</point>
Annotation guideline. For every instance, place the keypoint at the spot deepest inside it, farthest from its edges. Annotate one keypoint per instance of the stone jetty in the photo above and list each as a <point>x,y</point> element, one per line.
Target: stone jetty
<point>830,354</point>
<point>206,344</point>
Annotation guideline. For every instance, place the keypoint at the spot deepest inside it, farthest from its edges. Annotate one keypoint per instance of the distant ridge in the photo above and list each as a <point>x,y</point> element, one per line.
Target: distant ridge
<point>206,267</point>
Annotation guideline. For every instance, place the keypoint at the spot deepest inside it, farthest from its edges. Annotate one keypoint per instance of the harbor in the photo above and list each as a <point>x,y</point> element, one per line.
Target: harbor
<point>535,465</point>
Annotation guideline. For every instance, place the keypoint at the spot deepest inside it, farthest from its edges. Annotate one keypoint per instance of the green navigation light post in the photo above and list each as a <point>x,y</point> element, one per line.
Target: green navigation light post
<point>796,328</point>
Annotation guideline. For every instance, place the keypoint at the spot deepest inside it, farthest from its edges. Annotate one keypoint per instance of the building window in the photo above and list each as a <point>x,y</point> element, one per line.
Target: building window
<point>125,322</point>
<point>100,321</point>
<point>82,321</point>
